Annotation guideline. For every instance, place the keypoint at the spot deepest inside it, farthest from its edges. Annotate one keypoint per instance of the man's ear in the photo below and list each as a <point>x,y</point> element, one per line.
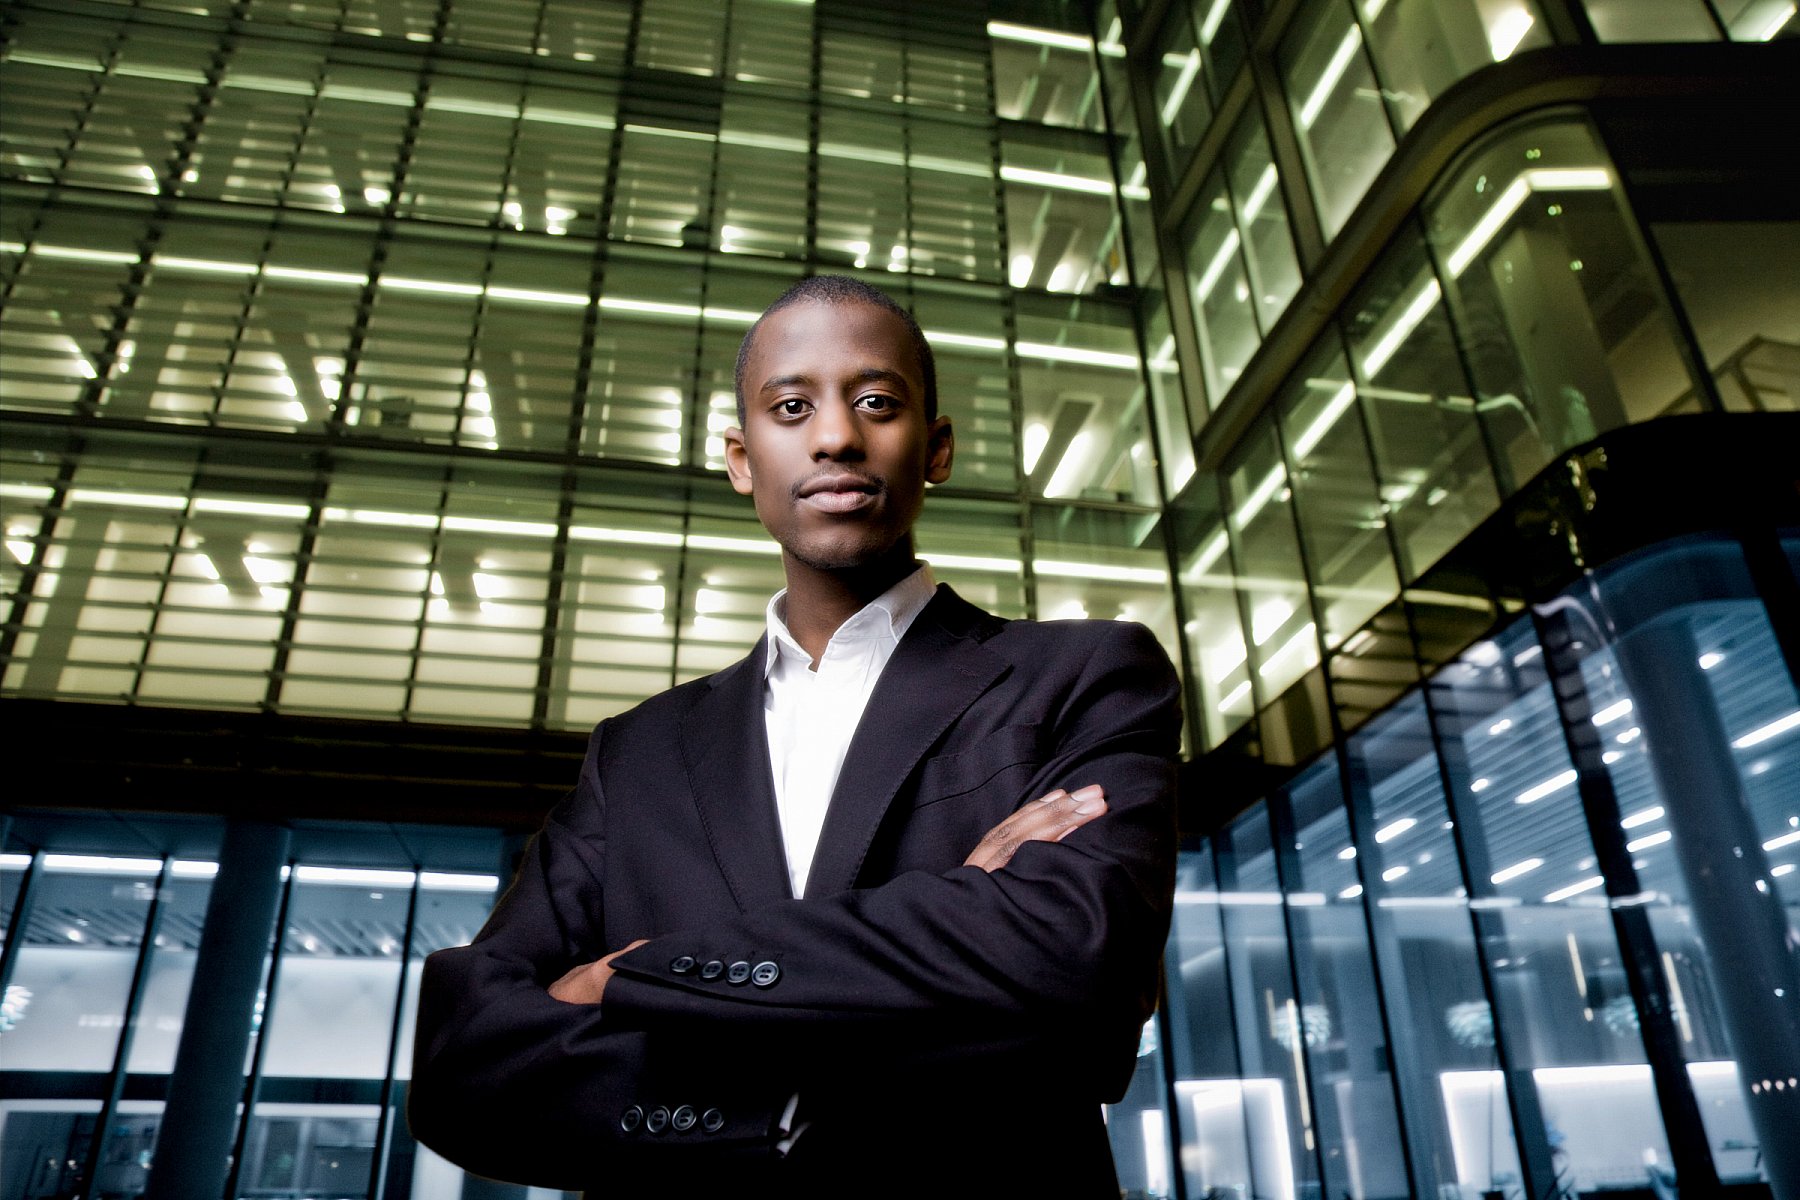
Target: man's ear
<point>737,461</point>
<point>940,450</point>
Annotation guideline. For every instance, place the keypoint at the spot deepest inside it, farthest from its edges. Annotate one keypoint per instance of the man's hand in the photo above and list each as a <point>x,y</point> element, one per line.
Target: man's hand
<point>587,983</point>
<point>1049,818</point>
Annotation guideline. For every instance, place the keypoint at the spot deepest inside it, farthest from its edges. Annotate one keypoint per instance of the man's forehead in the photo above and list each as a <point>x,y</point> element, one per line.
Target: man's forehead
<point>808,328</point>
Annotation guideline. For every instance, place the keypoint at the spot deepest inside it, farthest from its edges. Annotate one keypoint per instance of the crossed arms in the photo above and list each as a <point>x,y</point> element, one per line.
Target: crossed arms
<point>1040,947</point>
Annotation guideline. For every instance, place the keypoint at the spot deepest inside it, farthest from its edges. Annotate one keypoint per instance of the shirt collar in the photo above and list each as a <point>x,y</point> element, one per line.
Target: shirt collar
<point>888,616</point>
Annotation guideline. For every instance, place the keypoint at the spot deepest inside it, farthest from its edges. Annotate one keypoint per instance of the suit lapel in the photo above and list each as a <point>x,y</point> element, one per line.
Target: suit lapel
<point>937,671</point>
<point>726,744</point>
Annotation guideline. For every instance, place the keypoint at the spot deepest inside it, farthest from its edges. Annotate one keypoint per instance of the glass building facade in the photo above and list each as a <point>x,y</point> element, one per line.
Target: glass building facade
<point>1419,373</point>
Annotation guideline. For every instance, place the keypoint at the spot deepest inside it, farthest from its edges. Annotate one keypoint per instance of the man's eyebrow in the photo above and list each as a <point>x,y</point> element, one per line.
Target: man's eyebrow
<point>866,375</point>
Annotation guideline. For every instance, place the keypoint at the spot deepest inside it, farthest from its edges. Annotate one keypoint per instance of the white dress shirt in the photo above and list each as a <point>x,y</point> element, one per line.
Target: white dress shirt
<point>811,714</point>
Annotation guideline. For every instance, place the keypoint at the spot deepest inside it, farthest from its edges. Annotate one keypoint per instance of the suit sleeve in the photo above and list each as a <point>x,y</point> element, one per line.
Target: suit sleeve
<point>513,1084</point>
<point>1059,950</point>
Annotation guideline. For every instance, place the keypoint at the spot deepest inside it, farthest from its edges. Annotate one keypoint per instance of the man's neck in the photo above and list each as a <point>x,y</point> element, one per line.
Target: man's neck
<point>819,601</point>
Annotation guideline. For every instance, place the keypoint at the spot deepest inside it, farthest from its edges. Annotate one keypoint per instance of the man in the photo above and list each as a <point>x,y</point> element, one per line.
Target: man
<point>875,911</point>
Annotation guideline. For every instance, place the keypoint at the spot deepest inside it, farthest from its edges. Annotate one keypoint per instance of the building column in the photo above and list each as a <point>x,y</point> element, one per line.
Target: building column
<point>193,1145</point>
<point>1737,911</point>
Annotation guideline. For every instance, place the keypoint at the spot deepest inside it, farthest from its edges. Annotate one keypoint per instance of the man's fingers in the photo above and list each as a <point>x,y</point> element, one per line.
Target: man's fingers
<point>1050,818</point>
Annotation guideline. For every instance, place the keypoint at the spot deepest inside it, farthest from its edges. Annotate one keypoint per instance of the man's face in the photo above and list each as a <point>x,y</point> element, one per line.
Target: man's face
<point>836,449</point>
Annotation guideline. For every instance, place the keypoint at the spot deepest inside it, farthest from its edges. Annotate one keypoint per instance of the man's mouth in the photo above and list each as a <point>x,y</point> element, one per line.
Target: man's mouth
<point>839,492</point>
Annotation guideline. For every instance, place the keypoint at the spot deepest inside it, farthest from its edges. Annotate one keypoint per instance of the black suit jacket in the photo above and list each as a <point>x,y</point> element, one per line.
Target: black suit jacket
<point>923,1011</point>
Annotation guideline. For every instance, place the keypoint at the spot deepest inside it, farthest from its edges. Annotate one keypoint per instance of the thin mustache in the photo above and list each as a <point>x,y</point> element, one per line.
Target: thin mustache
<point>874,482</point>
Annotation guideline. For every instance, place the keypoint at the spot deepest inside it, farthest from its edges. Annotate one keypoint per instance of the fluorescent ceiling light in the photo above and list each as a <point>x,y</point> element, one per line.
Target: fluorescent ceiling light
<point>623,537</point>
<point>1008,32</point>
<point>1644,843</point>
<point>1776,23</point>
<point>1612,712</point>
<point>1505,34</point>
<point>1215,16</point>
<point>972,562</point>
<point>1054,179</point>
<point>450,881</point>
<point>1107,571</point>
<point>1642,817</point>
<point>1554,784</point>
<point>1773,729</point>
<point>1786,839</point>
<point>126,499</point>
<point>1508,874</point>
<point>1074,354</point>
<point>359,876</point>
<point>1574,889</point>
<point>102,864</point>
<point>251,508</point>
<point>1388,833</point>
<point>1190,67</point>
<point>513,528</point>
<point>1329,78</point>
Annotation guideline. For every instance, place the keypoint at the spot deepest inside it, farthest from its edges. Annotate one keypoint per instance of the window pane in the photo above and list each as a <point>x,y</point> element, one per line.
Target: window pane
<point>1217,648</point>
<point>1559,976</point>
<point>1421,49</point>
<point>1224,306</point>
<point>1336,105</point>
<point>1444,1053</point>
<point>1651,21</point>
<point>1341,1028</point>
<point>1262,219</point>
<point>1739,283</point>
<point>1436,484</point>
<point>1086,430</point>
<point>1562,321</point>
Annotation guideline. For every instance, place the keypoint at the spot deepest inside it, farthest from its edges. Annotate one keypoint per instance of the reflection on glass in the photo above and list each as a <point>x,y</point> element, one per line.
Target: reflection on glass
<point>1284,639</point>
<point>1559,976</point>
<point>1336,106</point>
<point>1341,1022</point>
<point>1406,861</point>
<point>1262,219</point>
<point>1272,1028</point>
<point>1739,284</point>
<point>1430,461</point>
<point>1342,519</point>
<point>1063,231</point>
<point>1421,49</point>
<point>1084,436</point>
<point>1218,651</point>
<point>1182,95</point>
<point>1223,306</point>
<point>1652,20</point>
<point>1045,75</point>
<point>1563,324</point>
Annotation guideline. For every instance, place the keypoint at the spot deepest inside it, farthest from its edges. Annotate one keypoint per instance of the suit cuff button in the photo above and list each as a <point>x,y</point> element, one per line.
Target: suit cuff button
<point>683,1118</point>
<point>630,1119</point>
<point>657,1121</point>
<point>765,974</point>
<point>712,1120</point>
<point>712,970</point>
<point>737,973</point>
<point>684,965</point>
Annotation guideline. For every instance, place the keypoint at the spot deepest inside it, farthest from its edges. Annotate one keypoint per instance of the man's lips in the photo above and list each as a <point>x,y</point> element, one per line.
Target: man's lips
<point>838,492</point>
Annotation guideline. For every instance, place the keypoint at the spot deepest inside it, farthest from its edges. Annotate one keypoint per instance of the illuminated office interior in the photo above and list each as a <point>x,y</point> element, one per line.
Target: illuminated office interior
<point>1422,374</point>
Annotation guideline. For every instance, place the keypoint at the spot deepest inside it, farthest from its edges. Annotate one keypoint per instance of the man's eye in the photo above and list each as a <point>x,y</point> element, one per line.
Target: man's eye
<point>878,403</point>
<point>790,407</point>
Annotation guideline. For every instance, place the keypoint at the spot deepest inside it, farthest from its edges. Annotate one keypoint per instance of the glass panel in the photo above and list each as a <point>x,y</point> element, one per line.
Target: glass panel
<point>1284,639</point>
<point>1217,1111</point>
<point>1341,1026</point>
<point>1563,323</point>
<point>1336,105</point>
<point>1224,308</point>
<point>1436,484</point>
<point>1342,521</point>
<point>1182,97</point>
<point>1758,20</point>
<point>968,336</point>
<point>1651,21</point>
<point>1106,565</point>
<point>1279,1100</point>
<point>1458,1122</point>
<point>1218,651</point>
<point>760,194</point>
<point>1695,701</point>
<point>66,1000</point>
<point>1085,435</point>
<point>1559,976</point>
<point>1045,76</point>
<point>678,37</point>
<point>975,546</point>
<point>1222,41</point>
<point>1421,49</point>
<point>1138,1126</point>
<point>1739,283</point>
<point>1063,232</point>
<point>1262,219</point>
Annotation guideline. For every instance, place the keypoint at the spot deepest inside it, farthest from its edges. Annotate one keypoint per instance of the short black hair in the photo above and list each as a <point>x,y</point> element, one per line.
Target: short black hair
<point>842,289</point>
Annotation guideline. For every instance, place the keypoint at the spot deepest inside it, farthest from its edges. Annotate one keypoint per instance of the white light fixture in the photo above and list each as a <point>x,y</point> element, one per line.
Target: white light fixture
<point>1786,839</point>
<point>1507,31</point>
<point>1508,874</point>
<point>1554,784</point>
<point>1773,729</point>
<point>1574,889</point>
<point>1642,817</point>
<point>1391,831</point>
<point>1612,712</point>
<point>1190,67</point>
<point>1711,659</point>
<point>1644,843</point>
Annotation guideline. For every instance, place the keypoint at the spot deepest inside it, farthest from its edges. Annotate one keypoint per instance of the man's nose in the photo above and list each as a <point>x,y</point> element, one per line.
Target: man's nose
<point>836,433</point>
